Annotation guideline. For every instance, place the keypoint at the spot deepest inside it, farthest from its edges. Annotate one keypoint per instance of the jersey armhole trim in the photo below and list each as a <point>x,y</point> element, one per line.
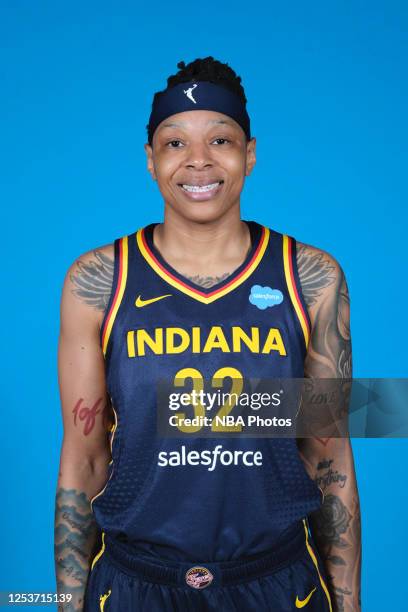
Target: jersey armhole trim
<point>119,283</point>
<point>289,251</point>
<point>112,437</point>
<point>100,553</point>
<point>314,559</point>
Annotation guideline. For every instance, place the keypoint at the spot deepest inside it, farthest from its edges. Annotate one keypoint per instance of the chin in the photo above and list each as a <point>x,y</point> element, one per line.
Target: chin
<point>207,212</point>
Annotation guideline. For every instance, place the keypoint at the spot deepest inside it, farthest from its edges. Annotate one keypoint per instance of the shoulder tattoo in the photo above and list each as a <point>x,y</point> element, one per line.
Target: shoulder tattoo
<point>93,279</point>
<point>315,272</point>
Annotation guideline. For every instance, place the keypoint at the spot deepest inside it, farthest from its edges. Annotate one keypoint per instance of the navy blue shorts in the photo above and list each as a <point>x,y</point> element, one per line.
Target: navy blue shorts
<point>289,577</point>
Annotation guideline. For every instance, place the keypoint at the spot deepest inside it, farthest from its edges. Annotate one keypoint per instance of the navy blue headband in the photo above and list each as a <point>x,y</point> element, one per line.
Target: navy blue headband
<point>198,95</point>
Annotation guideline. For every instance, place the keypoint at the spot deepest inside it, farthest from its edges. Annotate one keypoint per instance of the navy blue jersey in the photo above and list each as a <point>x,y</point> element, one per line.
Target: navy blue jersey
<point>158,324</point>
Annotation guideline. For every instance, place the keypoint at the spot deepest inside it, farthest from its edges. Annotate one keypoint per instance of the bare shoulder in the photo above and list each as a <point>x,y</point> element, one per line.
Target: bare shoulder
<point>88,283</point>
<point>91,276</point>
<point>324,288</point>
<point>320,274</point>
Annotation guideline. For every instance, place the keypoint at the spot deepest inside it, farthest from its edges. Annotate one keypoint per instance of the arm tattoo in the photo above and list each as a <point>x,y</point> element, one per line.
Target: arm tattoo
<point>315,273</point>
<point>88,414</point>
<point>336,526</point>
<point>337,531</point>
<point>329,353</point>
<point>74,545</point>
<point>93,280</point>
<point>332,522</point>
<point>325,478</point>
<point>343,327</point>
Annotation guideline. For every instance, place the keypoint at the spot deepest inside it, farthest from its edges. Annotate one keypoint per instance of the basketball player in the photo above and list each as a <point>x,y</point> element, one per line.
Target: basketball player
<point>149,523</point>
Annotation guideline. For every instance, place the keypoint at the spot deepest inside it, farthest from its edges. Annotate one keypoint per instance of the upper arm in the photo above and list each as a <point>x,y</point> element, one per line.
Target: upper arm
<point>325,290</point>
<point>81,369</point>
<point>329,355</point>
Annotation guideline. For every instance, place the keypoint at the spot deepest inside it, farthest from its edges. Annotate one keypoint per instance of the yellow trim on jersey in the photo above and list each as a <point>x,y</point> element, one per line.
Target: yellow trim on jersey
<point>313,556</point>
<point>113,430</point>
<point>195,294</point>
<point>100,553</point>
<point>292,289</point>
<point>120,289</point>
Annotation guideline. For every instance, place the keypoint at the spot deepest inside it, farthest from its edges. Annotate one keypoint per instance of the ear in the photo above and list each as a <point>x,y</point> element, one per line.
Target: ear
<point>150,162</point>
<point>250,156</point>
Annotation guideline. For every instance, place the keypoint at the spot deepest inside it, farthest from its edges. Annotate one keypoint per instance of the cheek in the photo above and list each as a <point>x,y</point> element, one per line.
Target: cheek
<point>235,165</point>
<point>236,174</point>
<point>164,170</point>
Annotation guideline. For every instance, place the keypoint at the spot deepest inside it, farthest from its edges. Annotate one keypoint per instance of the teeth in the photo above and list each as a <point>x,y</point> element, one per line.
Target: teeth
<point>199,189</point>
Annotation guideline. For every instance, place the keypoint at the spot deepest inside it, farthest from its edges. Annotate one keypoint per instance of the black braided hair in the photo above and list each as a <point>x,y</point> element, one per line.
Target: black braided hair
<point>206,69</point>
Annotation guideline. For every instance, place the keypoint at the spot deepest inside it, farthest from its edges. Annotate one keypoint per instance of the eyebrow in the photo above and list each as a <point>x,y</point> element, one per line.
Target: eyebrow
<point>182,123</point>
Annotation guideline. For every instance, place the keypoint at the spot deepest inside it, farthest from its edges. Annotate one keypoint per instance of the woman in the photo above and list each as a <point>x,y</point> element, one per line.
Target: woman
<point>202,301</point>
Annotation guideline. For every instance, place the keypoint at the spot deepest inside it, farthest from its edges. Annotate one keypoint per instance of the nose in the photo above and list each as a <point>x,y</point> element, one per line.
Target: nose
<point>198,156</point>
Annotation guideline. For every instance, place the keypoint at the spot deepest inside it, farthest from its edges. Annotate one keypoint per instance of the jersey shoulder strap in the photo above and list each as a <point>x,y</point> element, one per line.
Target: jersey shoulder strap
<point>121,265</point>
<point>288,247</point>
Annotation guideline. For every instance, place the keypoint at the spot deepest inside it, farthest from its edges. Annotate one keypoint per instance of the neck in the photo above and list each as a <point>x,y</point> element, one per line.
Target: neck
<point>216,247</point>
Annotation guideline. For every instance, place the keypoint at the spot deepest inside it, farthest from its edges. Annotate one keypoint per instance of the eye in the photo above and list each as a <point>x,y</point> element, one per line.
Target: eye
<point>223,139</point>
<point>175,143</point>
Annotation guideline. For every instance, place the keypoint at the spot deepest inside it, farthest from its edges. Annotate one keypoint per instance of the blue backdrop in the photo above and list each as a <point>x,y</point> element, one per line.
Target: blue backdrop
<point>327,90</point>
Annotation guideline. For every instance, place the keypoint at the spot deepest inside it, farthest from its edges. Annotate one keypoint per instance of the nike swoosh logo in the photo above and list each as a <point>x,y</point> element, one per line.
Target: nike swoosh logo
<point>140,303</point>
<point>300,603</point>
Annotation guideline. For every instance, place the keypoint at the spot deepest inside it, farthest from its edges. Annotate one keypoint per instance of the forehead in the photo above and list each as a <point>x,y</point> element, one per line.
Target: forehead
<point>197,120</point>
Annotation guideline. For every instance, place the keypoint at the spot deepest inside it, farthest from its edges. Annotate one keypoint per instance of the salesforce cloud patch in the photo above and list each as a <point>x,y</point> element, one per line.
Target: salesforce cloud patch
<point>265,297</point>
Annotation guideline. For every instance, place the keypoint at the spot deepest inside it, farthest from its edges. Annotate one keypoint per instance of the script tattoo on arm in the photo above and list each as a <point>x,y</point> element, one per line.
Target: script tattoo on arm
<point>93,279</point>
<point>74,545</point>
<point>336,526</point>
<point>337,530</point>
<point>88,414</point>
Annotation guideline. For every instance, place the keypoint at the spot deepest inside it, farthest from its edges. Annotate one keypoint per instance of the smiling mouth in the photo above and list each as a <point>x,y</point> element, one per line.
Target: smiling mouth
<point>200,188</point>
